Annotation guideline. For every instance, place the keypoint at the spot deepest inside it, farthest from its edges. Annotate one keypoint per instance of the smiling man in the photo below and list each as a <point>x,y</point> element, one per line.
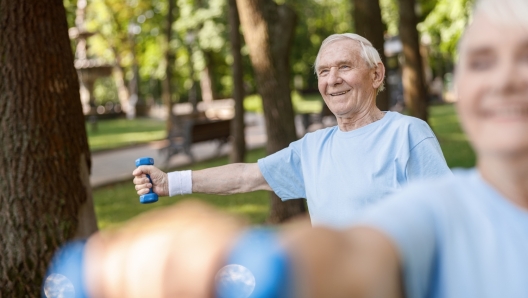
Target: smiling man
<point>341,169</point>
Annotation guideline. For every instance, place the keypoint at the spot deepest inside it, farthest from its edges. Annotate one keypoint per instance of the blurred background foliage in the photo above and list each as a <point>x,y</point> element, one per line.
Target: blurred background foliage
<point>136,28</point>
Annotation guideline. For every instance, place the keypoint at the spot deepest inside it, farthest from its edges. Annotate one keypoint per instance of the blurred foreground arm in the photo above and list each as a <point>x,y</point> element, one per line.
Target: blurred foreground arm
<point>183,251</point>
<point>223,180</point>
<point>359,262</point>
<point>172,252</point>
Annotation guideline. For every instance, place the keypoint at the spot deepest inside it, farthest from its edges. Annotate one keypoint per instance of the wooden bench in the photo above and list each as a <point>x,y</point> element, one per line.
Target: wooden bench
<point>189,131</point>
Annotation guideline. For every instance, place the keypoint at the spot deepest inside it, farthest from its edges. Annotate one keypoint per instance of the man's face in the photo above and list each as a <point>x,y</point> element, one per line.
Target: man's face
<point>492,85</point>
<point>344,79</point>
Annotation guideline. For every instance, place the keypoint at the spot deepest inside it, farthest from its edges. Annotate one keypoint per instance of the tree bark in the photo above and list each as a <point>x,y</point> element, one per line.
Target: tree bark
<point>268,31</point>
<point>369,24</point>
<point>414,85</point>
<point>207,82</point>
<point>169,59</point>
<point>44,158</point>
<point>238,151</point>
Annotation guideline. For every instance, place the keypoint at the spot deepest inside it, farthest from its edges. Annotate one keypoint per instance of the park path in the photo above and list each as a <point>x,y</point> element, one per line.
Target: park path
<point>117,165</point>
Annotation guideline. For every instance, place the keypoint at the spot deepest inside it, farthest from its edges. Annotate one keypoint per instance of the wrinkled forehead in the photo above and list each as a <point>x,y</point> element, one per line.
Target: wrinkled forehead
<point>344,49</point>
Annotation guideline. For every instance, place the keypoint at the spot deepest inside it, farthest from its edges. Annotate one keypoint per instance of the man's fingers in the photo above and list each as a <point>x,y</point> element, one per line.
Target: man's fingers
<point>143,188</point>
<point>142,170</point>
<point>143,191</point>
<point>141,180</point>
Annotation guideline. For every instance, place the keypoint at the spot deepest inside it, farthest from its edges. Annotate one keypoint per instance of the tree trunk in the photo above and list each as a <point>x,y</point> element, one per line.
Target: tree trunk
<point>45,196</point>
<point>169,59</point>
<point>207,83</point>
<point>268,31</point>
<point>368,23</point>
<point>238,151</point>
<point>122,90</point>
<point>414,86</point>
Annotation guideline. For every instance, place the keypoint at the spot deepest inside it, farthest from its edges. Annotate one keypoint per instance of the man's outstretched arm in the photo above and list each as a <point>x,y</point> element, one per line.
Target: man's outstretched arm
<point>222,180</point>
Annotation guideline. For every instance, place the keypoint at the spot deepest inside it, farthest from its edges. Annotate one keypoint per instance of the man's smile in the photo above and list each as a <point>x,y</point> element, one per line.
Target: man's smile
<point>338,93</point>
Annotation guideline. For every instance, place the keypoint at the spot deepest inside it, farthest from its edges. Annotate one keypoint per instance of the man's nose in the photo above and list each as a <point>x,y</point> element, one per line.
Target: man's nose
<point>333,76</point>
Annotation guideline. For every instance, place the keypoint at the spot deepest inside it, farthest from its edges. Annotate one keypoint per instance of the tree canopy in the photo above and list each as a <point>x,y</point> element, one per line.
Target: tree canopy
<point>200,39</point>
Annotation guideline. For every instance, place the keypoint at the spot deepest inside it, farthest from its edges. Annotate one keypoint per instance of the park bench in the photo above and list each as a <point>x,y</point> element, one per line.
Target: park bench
<point>190,130</point>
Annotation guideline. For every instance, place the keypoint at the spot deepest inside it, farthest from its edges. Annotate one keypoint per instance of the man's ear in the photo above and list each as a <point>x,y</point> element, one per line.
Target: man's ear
<point>378,75</point>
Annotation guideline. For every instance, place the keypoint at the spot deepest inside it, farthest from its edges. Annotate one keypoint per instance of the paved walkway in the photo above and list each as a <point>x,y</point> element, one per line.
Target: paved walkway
<point>117,165</point>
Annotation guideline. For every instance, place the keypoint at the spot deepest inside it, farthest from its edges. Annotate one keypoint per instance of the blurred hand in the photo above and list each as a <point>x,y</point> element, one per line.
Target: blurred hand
<point>170,252</point>
<point>355,262</point>
<point>177,252</point>
<point>158,177</point>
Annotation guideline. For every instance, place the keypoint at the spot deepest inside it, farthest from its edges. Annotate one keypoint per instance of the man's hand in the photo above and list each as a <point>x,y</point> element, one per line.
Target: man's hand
<point>159,179</point>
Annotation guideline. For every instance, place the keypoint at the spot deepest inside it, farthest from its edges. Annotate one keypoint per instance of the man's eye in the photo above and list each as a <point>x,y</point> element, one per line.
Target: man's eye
<point>323,72</point>
<point>344,67</point>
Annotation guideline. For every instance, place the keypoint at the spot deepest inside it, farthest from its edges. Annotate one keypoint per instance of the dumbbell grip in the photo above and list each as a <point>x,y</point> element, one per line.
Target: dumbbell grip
<point>150,180</point>
<point>151,196</point>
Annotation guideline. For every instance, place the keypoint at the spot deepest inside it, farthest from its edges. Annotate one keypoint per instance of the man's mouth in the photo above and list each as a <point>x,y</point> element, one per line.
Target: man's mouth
<point>339,93</point>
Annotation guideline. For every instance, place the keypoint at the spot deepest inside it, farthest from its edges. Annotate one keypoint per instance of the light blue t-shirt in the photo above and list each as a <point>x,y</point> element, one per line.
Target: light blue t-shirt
<point>340,173</point>
<point>457,237</point>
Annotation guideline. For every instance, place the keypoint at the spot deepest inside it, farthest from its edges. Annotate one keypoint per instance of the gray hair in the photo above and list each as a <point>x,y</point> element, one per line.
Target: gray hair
<point>369,54</point>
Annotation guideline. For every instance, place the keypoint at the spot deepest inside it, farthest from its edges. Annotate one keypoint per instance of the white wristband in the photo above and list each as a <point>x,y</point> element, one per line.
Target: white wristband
<point>180,183</point>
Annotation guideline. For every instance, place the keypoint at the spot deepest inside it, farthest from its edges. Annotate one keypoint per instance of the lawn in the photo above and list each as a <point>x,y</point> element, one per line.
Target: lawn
<point>117,203</point>
<point>117,133</point>
<point>453,141</point>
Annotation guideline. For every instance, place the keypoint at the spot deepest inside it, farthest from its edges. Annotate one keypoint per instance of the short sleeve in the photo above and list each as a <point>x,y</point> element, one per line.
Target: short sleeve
<point>410,224</point>
<point>283,172</point>
<point>426,160</point>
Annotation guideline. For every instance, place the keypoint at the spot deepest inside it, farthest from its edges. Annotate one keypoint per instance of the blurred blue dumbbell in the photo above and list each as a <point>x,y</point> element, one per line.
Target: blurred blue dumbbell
<point>151,197</point>
<point>65,276</point>
<point>257,267</point>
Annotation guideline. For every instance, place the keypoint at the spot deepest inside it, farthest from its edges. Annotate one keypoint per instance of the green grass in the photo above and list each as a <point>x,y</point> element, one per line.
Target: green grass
<point>117,203</point>
<point>453,141</point>
<point>117,133</point>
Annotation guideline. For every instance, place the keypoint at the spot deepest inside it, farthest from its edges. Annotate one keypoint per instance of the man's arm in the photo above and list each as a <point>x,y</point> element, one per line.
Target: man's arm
<point>229,179</point>
<point>222,180</point>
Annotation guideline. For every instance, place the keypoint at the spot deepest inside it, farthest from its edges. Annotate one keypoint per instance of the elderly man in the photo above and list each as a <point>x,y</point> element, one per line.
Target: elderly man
<point>341,169</point>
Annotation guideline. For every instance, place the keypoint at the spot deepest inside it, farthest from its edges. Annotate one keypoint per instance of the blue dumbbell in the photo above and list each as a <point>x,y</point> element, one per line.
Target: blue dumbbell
<point>261,266</point>
<point>66,272</point>
<point>151,197</point>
